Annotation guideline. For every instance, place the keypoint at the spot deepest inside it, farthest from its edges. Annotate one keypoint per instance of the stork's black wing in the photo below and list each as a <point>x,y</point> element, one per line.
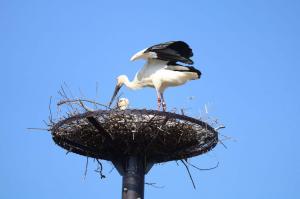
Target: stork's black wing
<point>172,51</point>
<point>180,68</point>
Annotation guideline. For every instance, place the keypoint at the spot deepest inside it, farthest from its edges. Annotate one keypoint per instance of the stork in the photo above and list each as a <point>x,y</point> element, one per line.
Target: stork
<point>123,103</point>
<point>161,69</point>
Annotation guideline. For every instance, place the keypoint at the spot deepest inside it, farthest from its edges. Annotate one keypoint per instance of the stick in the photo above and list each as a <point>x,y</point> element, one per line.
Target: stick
<point>50,112</point>
<point>78,100</point>
<point>187,168</point>
<point>153,184</point>
<point>38,129</point>
<point>86,167</point>
<point>202,169</point>
<point>220,127</point>
<point>98,126</point>
<point>100,169</point>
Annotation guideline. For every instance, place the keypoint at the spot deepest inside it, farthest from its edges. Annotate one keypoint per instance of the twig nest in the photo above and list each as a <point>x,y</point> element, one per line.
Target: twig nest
<point>156,136</point>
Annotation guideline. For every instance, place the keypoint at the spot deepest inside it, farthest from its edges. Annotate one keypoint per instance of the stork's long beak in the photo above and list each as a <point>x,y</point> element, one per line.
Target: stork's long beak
<point>117,88</point>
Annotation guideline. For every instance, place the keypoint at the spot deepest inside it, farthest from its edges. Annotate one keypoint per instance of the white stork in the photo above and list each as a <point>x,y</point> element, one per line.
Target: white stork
<point>161,69</point>
<point>123,103</point>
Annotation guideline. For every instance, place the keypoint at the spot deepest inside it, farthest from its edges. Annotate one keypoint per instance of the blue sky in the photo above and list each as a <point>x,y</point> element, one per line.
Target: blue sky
<point>247,51</point>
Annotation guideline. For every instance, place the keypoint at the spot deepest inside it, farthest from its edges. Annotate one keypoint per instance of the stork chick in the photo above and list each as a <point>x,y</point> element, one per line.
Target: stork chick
<point>123,103</point>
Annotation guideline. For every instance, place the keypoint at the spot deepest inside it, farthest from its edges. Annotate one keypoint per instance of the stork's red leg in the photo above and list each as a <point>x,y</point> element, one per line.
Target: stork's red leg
<point>158,100</point>
<point>158,103</point>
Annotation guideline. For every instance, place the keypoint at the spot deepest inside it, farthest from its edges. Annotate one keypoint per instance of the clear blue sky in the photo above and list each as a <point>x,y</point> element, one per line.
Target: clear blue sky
<point>248,52</point>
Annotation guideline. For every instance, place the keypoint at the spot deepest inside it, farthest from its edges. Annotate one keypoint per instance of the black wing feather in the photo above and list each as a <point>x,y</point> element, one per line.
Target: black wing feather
<point>173,51</point>
<point>181,68</point>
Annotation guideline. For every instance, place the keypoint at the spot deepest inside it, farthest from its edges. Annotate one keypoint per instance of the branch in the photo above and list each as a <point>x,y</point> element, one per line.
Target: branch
<point>228,138</point>
<point>50,112</point>
<point>182,111</point>
<point>220,127</point>
<point>98,126</point>
<point>78,100</point>
<point>187,168</point>
<point>153,184</point>
<point>100,169</point>
<point>86,167</point>
<point>38,129</point>
<point>200,168</point>
<point>84,106</point>
<point>223,144</point>
<point>63,94</point>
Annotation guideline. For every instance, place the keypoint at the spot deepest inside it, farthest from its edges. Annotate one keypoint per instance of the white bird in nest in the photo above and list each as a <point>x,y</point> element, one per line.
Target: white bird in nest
<point>123,103</point>
<point>161,69</point>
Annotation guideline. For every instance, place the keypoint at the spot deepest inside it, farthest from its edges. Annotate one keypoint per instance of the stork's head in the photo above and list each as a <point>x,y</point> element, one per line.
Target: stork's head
<point>120,81</point>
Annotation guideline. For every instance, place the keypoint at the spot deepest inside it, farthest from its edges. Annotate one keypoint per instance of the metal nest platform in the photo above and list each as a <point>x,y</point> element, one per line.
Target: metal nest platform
<point>153,135</point>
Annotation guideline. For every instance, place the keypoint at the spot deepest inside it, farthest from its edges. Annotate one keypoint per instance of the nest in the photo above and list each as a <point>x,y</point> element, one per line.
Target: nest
<point>154,135</point>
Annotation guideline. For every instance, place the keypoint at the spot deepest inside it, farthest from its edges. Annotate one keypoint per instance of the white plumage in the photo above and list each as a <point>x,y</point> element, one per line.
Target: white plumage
<point>123,103</point>
<point>161,69</point>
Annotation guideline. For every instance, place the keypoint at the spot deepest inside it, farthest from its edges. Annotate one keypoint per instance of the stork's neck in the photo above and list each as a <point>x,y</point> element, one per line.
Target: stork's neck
<point>131,84</point>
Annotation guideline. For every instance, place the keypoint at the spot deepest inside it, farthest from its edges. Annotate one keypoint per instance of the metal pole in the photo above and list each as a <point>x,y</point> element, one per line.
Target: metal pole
<point>133,178</point>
